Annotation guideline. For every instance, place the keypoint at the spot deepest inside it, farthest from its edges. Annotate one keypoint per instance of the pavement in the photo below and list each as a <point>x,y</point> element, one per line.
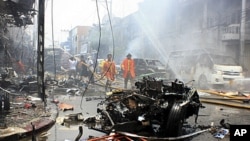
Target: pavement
<point>24,114</point>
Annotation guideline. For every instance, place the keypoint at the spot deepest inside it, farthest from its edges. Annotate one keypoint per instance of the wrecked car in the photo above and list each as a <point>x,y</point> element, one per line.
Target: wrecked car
<point>209,69</point>
<point>154,108</point>
<point>149,66</point>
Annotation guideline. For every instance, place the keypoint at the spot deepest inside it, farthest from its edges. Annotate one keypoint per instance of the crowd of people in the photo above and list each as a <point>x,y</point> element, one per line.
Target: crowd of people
<point>85,70</point>
<point>82,68</point>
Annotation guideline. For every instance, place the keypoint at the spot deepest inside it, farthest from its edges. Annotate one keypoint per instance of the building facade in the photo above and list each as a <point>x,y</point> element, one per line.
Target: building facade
<point>77,37</point>
<point>217,25</point>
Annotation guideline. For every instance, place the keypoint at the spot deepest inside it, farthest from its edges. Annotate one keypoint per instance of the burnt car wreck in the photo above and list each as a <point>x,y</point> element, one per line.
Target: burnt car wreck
<point>156,109</point>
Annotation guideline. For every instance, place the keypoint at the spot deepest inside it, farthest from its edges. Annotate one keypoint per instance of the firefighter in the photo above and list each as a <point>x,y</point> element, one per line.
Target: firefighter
<point>109,71</point>
<point>20,66</point>
<point>128,68</point>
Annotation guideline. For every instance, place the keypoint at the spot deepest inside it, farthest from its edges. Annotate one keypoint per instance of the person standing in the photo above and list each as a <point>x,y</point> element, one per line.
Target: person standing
<point>20,67</point>
<point>83,69</point>
<point>90,65</point>
<point>109,71</point>
<point>72,67</point>
<point>128,68</point>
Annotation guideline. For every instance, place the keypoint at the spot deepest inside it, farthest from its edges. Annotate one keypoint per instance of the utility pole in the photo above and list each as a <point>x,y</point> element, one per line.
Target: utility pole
<point>242,32</point>
<point>40,51</point>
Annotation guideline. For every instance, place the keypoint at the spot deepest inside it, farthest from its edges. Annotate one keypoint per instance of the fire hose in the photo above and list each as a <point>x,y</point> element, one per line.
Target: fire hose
<point>100,78</point>
<point>231,104</point>
<point>167,138</point>
<point>227,100</point>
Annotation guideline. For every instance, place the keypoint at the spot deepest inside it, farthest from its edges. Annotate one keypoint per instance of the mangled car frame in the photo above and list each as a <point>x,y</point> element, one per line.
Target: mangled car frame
<point>156,108</point>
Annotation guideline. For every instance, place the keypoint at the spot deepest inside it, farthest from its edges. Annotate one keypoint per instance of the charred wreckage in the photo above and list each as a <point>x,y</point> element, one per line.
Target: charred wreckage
<point>155,108</point>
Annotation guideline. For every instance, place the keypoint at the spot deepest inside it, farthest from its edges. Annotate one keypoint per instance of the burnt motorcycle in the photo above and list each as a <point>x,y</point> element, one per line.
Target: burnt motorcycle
<point>155,108</point>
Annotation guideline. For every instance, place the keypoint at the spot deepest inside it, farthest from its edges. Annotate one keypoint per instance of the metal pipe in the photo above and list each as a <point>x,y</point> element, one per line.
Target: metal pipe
<point>112,122</point>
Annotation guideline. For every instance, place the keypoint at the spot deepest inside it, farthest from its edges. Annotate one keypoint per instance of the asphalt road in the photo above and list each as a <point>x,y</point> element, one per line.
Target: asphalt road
<point>211,114</point>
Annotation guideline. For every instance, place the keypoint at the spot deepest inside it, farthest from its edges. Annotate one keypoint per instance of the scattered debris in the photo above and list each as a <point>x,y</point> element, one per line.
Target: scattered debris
<point>64,106</point>
<point>221,133</point>
<point>29,105</point>
<point>224,125</point>
<point>44,134</point>
<point>94,98</point>
<point>90,120</point>
<point>32,98</point>
<point>75,117</point>
<point>70,119</point>
<point>55,101</point>
<point>73,91</point>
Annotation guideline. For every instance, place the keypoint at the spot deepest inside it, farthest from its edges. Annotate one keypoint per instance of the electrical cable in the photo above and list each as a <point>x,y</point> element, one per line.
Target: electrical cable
<point>113,43</point>
<point>53,46</point>
<point>21,55</point>
<point>99,44</point>
<point>167,138</point>
<point>52,31</point>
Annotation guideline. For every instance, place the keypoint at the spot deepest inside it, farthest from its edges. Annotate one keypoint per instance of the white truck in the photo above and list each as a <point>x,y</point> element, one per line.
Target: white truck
<point>206,69</point>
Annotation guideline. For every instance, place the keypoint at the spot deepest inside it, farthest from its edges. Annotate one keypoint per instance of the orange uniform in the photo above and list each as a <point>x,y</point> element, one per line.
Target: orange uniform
<point>128,66</point>
<point>20,66</point>
<point>109,70</point>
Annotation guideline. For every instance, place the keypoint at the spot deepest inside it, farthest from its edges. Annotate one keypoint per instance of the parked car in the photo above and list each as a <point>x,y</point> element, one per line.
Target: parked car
<point>99,66</point>
<point>118,70</point>
<point>144,66</point>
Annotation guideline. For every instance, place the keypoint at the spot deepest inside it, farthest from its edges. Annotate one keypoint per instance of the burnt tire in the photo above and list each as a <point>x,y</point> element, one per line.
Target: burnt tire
<point>174,123</point>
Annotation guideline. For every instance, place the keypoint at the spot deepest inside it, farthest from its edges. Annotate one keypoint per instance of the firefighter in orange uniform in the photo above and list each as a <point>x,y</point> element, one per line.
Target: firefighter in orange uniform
<point>128,68</point>
<point>20,65</point>
<point>109,71</point>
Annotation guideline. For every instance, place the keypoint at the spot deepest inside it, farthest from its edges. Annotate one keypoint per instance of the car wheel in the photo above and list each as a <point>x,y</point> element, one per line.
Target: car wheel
<point>174,123</point>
